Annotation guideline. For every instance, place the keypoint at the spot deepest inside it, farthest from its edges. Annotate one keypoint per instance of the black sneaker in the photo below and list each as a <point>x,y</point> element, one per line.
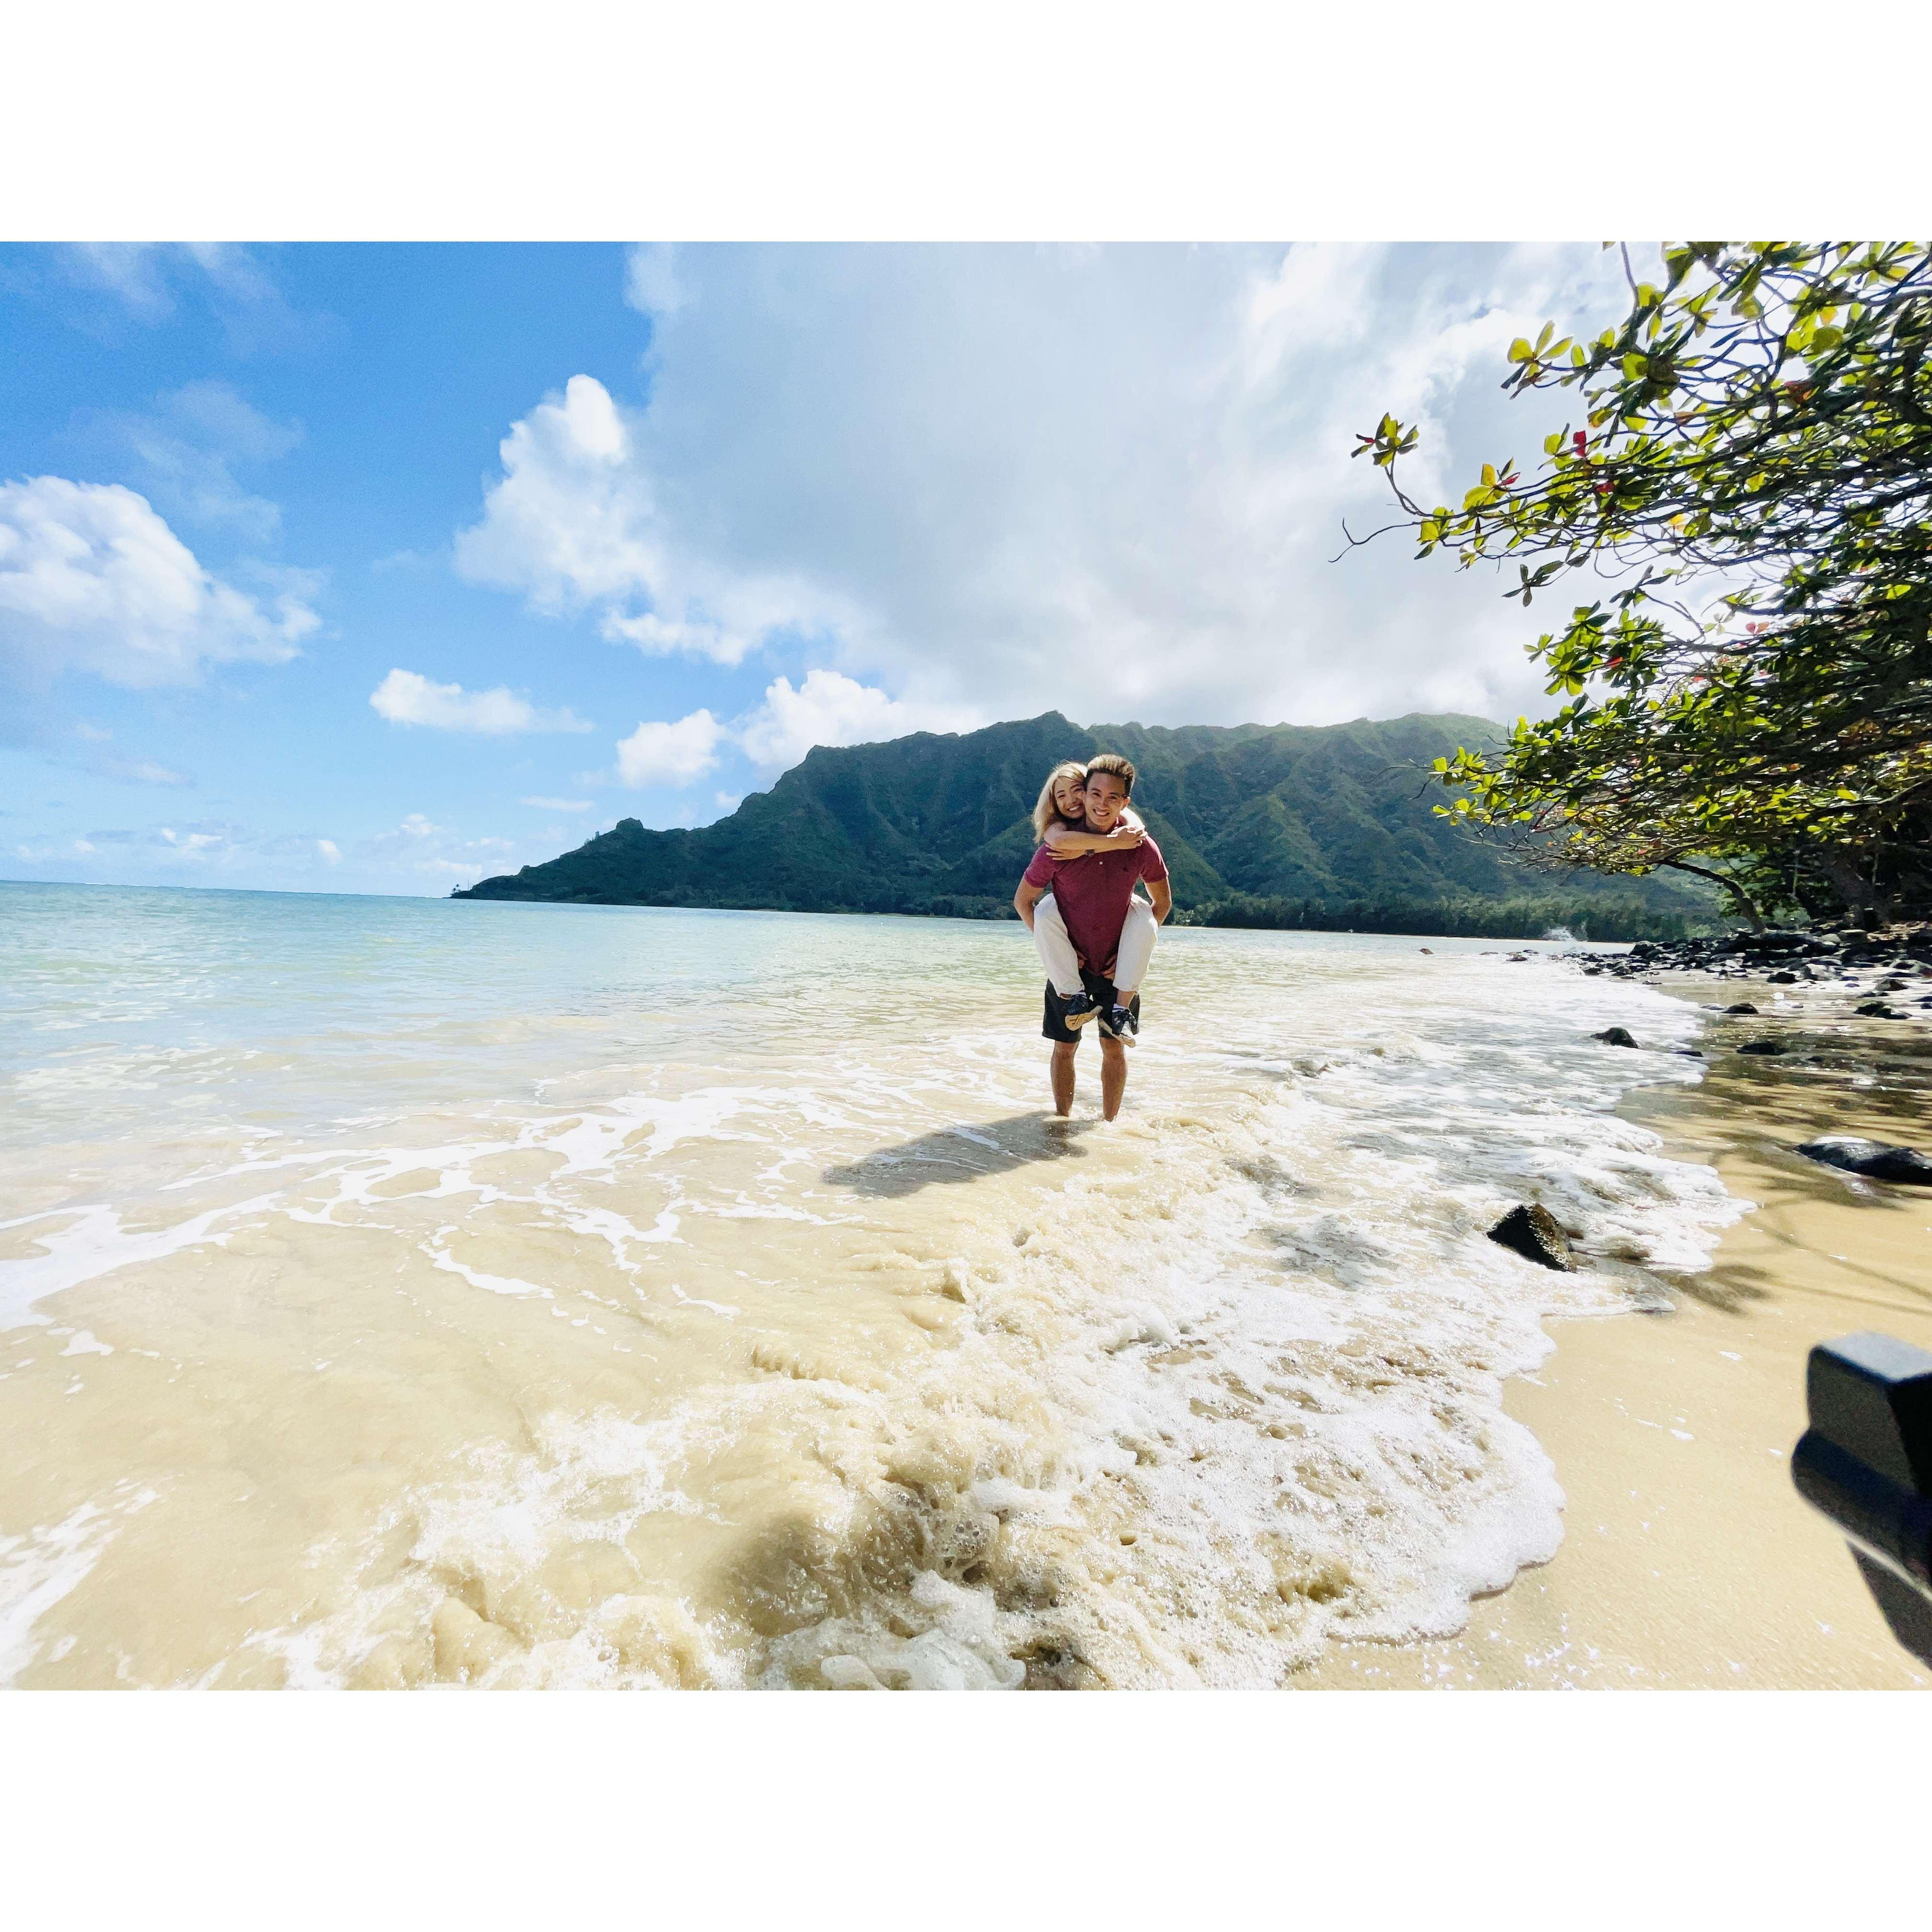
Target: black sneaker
<point>1122,1025</point>
<point>1079,1009</point>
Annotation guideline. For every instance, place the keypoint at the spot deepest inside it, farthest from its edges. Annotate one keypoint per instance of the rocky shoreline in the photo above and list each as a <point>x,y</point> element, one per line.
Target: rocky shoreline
<point>1689,1559</point>
<point>1887,969</point>
<point>1816,987</point>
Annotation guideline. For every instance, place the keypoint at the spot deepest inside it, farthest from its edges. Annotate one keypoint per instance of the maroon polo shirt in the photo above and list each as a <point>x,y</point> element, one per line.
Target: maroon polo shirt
<point>1093,893</point>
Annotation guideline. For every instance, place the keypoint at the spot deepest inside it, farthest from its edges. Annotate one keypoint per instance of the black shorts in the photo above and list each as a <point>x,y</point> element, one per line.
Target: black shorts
<point>1054,1027</point>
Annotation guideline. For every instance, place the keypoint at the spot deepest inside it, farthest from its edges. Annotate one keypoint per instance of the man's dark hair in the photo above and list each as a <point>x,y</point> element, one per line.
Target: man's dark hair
<point>1121,768</point>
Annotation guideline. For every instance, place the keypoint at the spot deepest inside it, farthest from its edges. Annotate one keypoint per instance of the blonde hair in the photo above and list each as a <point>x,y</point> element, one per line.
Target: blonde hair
<point>1046,810</point>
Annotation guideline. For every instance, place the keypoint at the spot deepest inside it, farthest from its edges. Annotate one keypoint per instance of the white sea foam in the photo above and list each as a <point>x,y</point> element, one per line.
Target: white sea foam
<point>48,1564</point>
<point>91,1242</point>
<point>1287,1410</point>
<point>493,1284</point>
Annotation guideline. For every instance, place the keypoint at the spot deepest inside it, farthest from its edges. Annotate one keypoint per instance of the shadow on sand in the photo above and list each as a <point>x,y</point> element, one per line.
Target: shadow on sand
<point>951,1155</point>
<point>1830,1082</point>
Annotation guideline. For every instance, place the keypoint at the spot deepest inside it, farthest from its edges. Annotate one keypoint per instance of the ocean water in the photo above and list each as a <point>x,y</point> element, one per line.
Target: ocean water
<point>401,1292</point>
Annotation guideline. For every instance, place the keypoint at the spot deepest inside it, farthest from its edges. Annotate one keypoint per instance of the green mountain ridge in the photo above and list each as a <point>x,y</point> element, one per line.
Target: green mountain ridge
<point>1328,816</point>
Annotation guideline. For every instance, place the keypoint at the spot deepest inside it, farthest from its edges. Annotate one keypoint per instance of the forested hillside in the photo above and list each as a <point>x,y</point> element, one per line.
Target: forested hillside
<point>1277,824</point>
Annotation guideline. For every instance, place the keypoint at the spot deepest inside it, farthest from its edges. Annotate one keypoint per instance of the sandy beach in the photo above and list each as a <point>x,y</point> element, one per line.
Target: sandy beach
<point>1688,1560</point>
<point>552,1306</point>
<point>500,1328</point>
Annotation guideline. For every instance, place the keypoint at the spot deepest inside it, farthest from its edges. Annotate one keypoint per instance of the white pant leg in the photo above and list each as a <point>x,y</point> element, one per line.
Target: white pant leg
<point>1056,950</point>
<point>1136,950</point>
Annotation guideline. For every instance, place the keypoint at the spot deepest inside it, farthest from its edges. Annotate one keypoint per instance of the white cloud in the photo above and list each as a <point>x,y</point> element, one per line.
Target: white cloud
<point>999,480</point>
<point>972,483</point>
<point>192,849</point>
<point>829,709</point>
<point>416,855</point>
<point>669,755</point>
<point>656,638</point>
<point>826,708</point>
<point>574,525</point>
<point>571,522</point>
<point>196,843</point>
<point>652,284</point>
<point>132,271</point>
<point>232,270</point>
<point>142,273</point>
<point>558,804</point>
<point>92,579</point>
<point>188,448</point>
<point>139,771</point>
<point>146,277</point>
<point>418,849</point>
<point>408,697</point>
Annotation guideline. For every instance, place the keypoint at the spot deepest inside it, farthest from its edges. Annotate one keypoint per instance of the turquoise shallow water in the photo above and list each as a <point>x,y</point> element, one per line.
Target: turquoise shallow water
<point>411,1292</point>
<point>276,997</point>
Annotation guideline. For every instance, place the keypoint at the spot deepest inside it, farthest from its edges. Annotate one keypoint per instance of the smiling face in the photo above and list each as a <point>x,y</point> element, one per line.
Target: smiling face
<point>1069,795</point>
<point>1106,798</point>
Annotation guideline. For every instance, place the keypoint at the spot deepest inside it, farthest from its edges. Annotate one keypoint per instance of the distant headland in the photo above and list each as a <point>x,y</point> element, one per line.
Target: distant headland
<point>1326,827</point>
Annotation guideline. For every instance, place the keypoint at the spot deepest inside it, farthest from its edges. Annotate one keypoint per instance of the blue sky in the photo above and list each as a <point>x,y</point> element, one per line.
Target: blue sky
<point>378,568</point>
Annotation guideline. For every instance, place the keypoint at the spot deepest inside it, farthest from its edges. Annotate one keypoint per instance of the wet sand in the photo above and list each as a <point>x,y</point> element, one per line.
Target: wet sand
<point>1688,1560</point>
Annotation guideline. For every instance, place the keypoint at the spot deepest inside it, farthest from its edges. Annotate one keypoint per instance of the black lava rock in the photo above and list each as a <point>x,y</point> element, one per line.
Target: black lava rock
<point>1614,1037</point>
<point>1901,949</point>
<point>1780,978</point>
<point>1742,1006</point>
<point>1764,1046</point>
<point>1872,1159</point>
<point>1534,1233</point>
<point>1877,1009</point>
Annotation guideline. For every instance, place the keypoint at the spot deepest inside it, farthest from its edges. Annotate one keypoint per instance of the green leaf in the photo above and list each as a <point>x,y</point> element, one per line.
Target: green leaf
<point>1710,740</point>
